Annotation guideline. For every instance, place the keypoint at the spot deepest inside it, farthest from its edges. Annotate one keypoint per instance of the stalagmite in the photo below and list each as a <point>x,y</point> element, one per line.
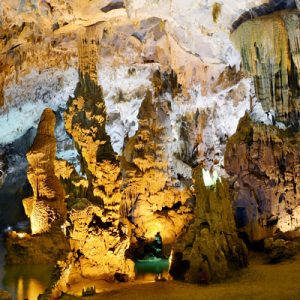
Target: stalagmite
<point>209,248</point>
<point>99,236</point>
<point>46,208</point>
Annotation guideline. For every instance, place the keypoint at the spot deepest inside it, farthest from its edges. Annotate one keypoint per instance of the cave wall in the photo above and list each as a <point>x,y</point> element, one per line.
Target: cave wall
<point>263,162</point>
<point>157,95</point>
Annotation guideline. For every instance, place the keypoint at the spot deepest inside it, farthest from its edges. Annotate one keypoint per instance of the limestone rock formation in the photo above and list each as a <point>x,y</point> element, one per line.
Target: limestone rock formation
<point>266,8</point>
<point>98,235</point>
<point>279,249</point>
<point>105,206</point>
<point>153,198</point>
<point>32,30</point>
<point>271,56</point>
<point>209,248</point>
<point>98,244</point>
<point>46,248</point>
<point>264,164</point>
<point>46,208</point>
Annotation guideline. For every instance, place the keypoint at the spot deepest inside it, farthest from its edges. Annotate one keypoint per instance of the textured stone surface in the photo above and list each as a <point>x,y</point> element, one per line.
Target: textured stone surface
<point>195,50</point>
<point>279,249</point>
<point>209,247</point>
<point>46,207</point>
<point>154,200</point>
<point>271,56</point>
<point>114,201</point>
<point>264,164</point>
<point>98,235</point>
<point>266,8</point>
<point>46,248</point>
<point>5,295</point>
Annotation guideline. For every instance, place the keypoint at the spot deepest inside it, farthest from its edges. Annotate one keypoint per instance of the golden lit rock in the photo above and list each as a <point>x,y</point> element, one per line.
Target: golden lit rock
<point>98,236</point>
<point>151,199</point>
<point>129,173</point>
<point>47,206</point>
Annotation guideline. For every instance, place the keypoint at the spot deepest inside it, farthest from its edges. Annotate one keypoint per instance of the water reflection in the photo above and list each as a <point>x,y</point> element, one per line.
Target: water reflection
<point>148,269</point>
<point>27,281</point>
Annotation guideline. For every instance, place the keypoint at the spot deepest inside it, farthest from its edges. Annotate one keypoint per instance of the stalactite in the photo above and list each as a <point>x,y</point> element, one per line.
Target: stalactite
<point>264,47</point>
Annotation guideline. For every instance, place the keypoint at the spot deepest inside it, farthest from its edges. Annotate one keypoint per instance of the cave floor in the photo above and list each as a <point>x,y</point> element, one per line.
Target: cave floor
<point>258,281</point>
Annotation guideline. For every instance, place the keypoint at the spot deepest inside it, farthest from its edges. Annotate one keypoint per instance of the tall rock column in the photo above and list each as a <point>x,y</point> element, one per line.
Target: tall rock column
<point>46,208</point>
<point>98,235</point>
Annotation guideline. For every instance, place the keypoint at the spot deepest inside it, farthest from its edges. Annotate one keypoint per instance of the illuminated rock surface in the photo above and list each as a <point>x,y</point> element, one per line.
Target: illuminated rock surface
<point>118,154</point>
<point>5,295</point>
<point>46,208</point>
<point>98,235</point>
<point>153,198</point>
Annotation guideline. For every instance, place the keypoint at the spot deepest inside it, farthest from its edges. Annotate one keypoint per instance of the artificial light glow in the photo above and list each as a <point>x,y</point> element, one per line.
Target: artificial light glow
<point>21,235</point>
<point>208,178</point>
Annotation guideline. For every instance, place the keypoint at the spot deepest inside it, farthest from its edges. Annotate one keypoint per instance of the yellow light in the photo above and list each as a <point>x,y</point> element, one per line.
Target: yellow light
<point>21,235</point>
<point>210,179</point>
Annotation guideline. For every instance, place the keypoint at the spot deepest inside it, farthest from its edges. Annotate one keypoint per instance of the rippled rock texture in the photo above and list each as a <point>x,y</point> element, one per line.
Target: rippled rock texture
<point>46,208</point>
<point>98,235</point>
